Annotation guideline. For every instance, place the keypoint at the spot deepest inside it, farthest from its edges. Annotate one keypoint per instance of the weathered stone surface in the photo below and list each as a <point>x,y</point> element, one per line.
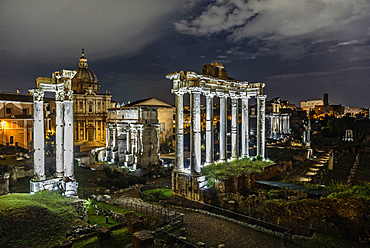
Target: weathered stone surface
<point>103,233</point>
<point>214,70</point>
<point>4,183</point>
<point>143,239</point>
<point>134,223</point>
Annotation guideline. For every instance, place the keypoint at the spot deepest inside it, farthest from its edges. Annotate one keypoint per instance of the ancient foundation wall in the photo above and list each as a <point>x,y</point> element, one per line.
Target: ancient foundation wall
<point>188,186</point>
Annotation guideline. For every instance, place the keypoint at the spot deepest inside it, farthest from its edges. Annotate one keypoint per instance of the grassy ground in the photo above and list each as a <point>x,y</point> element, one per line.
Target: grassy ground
<point>163,192</point>
<point>88,180</point>
<point>233,168</point>
<point>119,238</point>
<point>38,220</point>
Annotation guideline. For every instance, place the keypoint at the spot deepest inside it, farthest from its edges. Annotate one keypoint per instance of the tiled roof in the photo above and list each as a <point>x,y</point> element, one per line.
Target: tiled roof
<point>17,97</point>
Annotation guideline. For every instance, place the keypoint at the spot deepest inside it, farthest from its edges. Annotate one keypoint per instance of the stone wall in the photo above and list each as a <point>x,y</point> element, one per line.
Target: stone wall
<point>347,218</point>
<point>4,183</point>
<point>189,187</point>
<point>268,172</point>
<point>235,184</point>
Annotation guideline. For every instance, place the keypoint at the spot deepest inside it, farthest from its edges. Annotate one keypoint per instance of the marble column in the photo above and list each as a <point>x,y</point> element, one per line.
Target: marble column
<point>114,143</point>
<point>288,123</point>
<point>281,125</point>
<point>68,136</point>
<point>108,142</point>
<point>223,128</point>
<point>179,163</point>
<point>209,129</point>
<point>234,128</point>
<point>59,134</point>
<point>245,127</point>
<point>38,135</point>
<point>195,135</point>
<point>261,125</point>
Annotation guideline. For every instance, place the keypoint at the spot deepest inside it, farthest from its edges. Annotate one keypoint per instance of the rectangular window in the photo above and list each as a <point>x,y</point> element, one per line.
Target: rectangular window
<point>14,124</point>
<point>90,108</point>
<point>8,110</point>
<point>25,111</point>
<point>163,127</point>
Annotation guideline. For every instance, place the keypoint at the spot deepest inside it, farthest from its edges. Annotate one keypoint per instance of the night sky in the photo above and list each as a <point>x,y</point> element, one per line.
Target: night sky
<point>300,49</point>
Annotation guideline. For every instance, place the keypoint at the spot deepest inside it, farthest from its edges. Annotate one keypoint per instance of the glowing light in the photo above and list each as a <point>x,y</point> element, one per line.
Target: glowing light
<point>3,124</point>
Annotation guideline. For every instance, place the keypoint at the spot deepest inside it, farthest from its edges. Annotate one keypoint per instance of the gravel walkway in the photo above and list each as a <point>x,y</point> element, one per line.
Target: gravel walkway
<point>214,231</point>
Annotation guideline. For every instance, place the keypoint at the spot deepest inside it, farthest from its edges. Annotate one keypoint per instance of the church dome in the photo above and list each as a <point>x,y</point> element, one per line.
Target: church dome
<point>85,80</point>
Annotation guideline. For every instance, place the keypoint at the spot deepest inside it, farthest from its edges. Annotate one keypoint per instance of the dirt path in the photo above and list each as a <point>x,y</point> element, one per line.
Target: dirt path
<point>214,231</point>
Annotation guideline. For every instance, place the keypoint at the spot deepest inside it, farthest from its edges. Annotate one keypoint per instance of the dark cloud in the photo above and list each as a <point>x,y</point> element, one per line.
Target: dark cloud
<point>300,49</point>
<point>47,29</point>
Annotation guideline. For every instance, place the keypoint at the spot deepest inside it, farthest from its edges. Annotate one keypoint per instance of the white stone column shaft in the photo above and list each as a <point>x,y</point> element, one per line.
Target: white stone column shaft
<point>288,124</point>
<point>68,137</point>
<point>261,125</point>
<point>195,135</point>
<point>179,163</point>
<point>234,128</point>
<point>281,125</point>
<point>114,143</point>
<point>245,127</point>
<point>59,134</point>
<point>38,135</point>
<point>223,128</point>
<point>209,129</point>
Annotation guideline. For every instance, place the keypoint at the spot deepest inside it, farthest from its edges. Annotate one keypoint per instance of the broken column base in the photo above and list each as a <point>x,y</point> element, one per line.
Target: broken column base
<point>143,239</point>
<point>69,188</point>
<point>188,186</point>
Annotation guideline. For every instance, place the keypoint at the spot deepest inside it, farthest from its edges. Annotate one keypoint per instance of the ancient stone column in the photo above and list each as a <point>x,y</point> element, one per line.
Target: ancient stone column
<point>108,141</point>
<point>38,135</point>
<point>195,135</point>
<point>209,129</point>
<point>288,123</point>
<point>179,163</point>
<point>234,127</point>
<point>261,125</point>
<point>114,142</point>
<point>281,125</point>
<point>223,126</point>
<point>245,127</point>
<point>68,136</point>
<point>59,133</point>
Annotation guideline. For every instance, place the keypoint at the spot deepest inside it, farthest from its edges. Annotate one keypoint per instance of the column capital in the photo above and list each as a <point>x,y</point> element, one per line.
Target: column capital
<point>244,95</point>
<point>208,93</point>
<point>38,94</point>
<point>261,97</point>
<point>221,94</point>
<point>195,90</point>
<point>60,95</point>
<point>69,95</point>
<point>179,92</point>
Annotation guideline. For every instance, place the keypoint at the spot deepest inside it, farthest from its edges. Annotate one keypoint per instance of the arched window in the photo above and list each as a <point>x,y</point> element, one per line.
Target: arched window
<point>11,140</point>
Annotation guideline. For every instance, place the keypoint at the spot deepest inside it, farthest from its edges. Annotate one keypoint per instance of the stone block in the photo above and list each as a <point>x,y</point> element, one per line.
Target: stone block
<point>143,239</point>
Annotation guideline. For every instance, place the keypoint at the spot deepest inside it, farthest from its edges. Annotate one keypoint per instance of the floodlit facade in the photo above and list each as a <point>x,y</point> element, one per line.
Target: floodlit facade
<point>16,119</point>
<point>89,106</point>
<point>133,136</point>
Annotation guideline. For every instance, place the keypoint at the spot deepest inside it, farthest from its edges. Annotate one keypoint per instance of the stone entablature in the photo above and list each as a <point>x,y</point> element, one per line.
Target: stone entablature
<point>132,136</point>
